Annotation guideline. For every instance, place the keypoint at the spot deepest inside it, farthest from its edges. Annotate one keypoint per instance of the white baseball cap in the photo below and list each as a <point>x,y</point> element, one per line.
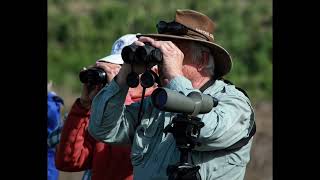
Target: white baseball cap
<point>118,45</point>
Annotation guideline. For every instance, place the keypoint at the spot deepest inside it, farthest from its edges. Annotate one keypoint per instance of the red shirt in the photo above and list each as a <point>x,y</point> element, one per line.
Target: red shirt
<point>78,150</point>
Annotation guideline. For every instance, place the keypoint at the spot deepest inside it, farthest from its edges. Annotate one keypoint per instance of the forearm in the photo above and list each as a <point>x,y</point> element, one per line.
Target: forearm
<point>121,77</point>
<point>74,152</point>
<point>108,121</point>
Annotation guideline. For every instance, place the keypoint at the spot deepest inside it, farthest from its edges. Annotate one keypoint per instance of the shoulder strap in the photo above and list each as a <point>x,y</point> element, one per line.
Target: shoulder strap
<point>211,81</point>
<point>240,89</point>
<point>207,84</point>
<point>242,142</point>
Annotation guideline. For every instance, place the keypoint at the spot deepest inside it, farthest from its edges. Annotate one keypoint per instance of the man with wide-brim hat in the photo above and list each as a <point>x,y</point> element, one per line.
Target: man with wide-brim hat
<point>199,28</point>
<point>191,62</point>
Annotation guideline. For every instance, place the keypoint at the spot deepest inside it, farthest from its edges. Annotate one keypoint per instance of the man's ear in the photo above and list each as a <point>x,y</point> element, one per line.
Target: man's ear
<point>203,61</point>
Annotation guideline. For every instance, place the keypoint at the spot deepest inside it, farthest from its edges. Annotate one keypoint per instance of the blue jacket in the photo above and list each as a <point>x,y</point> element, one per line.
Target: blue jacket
<point>54,105</point>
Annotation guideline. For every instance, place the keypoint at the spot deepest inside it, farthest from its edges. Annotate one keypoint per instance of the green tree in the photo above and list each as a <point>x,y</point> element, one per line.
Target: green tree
<point>80,32</point>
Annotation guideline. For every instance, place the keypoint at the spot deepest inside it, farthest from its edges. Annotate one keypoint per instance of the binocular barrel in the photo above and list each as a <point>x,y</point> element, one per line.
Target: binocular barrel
<point>93,76</point>
<point>147,54</point>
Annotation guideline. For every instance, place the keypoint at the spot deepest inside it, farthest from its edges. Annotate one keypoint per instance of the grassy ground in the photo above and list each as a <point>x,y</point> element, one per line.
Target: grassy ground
<point>260,166</point>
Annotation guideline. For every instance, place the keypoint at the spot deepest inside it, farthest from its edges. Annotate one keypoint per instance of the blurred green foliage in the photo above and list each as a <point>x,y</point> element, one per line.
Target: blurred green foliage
<point>81,31</point>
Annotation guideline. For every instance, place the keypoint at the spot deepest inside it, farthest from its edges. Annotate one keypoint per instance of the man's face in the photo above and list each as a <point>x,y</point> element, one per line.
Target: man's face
<point>187,67</point>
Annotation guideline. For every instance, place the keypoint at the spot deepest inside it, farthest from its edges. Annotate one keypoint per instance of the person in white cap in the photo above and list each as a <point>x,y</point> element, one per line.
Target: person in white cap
<point>77,150</point>
<point>193,62</point>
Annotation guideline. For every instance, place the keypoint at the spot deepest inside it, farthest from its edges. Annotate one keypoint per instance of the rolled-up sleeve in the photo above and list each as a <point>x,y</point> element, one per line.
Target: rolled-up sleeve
<point>226,123</point>
<point>111,121</point>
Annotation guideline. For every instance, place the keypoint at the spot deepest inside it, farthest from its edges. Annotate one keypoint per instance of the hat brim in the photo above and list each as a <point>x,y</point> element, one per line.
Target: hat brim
<point>114,58</point>
<point>223,61</point>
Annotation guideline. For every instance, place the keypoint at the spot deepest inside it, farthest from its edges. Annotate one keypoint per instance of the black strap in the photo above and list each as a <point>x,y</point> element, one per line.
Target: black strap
<point>58,99</point>
<point>240,89</point>
<point>243,91</point>
<point>207,84</point>
<point>211,81</point>
<point>242,142</point>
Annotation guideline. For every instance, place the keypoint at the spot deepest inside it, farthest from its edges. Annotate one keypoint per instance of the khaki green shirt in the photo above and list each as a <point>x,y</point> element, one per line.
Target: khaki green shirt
<point>152,150</point>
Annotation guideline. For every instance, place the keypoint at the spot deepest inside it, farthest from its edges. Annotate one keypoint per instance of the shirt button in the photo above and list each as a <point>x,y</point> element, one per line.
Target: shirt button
<point>156,158</point>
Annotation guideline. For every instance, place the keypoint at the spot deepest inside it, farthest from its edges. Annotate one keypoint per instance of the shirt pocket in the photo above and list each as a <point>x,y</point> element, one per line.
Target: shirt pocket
<point>142,144</point>
<point>145,138</point>
<point>150,131</point>
<point>138,151</point>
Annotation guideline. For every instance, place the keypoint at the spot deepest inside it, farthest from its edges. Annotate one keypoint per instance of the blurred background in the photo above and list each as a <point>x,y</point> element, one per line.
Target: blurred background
<point>81,31</point>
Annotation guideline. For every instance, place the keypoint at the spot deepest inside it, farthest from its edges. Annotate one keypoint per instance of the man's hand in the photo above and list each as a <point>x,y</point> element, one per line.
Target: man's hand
<point>126,69</point>
<point>111,69</point>
<point>172,57</point>
<point>88,94</point>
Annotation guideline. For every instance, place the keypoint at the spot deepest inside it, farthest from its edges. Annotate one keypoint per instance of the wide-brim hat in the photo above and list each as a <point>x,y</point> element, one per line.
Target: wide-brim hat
<point>200,29</point>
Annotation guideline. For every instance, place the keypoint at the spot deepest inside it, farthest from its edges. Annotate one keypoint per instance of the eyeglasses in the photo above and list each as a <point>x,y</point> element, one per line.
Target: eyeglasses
<point>175,28</point>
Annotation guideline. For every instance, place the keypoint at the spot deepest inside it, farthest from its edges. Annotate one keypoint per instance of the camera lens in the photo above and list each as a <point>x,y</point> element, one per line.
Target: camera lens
<point>159,98</point>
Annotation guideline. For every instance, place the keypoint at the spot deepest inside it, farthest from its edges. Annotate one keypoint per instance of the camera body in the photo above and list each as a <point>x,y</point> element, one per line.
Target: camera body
<point>93,76</point>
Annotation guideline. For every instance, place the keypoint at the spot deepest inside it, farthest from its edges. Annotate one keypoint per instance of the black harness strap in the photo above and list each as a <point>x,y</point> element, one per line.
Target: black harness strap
<point>207,84</point>
<point>229,82</point>
<point>242,142</point>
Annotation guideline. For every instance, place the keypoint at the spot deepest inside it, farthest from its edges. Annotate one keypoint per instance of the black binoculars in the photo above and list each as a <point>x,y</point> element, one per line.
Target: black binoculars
<point>134,54</point>
<point>93,76</point>
<point>142,55</point>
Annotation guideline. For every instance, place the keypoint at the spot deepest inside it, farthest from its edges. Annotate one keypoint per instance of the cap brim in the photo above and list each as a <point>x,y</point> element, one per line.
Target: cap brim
<point>223,61</point>
<point>114,58</point>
